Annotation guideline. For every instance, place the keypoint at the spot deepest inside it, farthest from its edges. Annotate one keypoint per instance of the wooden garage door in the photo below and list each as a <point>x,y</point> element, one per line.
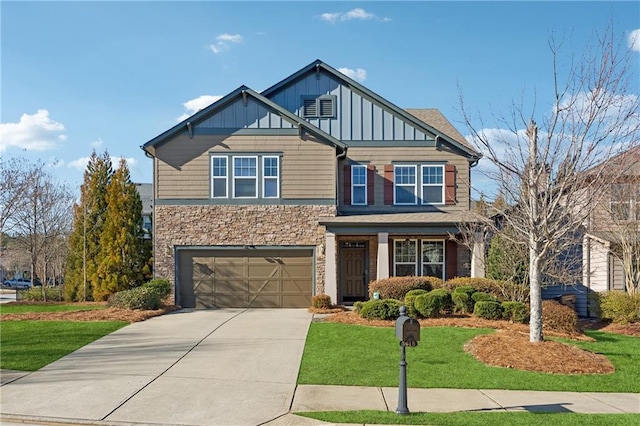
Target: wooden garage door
<point>256,278</point>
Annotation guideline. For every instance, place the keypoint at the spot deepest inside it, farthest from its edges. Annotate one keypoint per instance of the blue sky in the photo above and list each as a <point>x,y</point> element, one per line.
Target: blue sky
<point>78,76</point>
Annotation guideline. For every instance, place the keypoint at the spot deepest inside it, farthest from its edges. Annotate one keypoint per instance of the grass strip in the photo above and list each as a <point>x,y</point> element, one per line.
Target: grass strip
<point>355,355</point>
<point>474,418</point>
<point>30,345</point>
<point>10,308</point>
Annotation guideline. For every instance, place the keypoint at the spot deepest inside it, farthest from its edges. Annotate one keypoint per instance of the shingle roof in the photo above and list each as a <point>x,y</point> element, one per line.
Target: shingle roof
<point>417,218</point>
<point>434,118</point>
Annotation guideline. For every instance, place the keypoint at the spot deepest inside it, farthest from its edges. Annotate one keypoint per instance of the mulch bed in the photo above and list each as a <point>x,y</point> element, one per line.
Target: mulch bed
<point>107,314</point>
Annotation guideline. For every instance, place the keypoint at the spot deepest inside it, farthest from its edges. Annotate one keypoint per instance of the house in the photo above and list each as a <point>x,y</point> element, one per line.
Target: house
<point>315,185</point>
<point>613,231</point>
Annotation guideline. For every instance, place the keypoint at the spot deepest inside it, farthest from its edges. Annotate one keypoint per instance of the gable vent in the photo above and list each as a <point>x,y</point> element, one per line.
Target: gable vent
<point>326,107</point>
<point>310,108</point>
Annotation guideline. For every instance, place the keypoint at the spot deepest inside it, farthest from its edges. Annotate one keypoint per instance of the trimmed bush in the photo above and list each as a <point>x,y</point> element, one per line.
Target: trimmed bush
<point>136,298</point>
<point>162,286</point>
<point>445,299</point>
<point>321,301</point>
<point>485,285</point>
<point>619,306</point>
<point>488,309</point>
<point>462,302</point>
<point>384,309</point>
<point>409,301</point>
<point>480,296</point>
<point>515,312</point>
<point>429,305</point>
<point>34,294</point>
<point>558,317</point>
<point>398,287</point>
<point>467,289</point>
<point>357,306</point>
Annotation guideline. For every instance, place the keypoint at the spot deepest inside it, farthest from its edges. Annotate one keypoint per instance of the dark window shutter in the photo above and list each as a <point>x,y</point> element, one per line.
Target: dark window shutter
<point>450,184</point>
<point>371,173</point>
<point>388,184</point>
<point>451,254</point>
<point>347,184</point>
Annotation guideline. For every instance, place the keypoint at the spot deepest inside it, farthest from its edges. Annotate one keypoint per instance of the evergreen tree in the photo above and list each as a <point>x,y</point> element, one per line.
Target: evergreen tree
<point>122,241</point>
<point>88,221</point>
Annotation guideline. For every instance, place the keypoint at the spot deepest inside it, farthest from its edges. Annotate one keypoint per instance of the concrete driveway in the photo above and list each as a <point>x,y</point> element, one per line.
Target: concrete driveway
<point>214,367</point>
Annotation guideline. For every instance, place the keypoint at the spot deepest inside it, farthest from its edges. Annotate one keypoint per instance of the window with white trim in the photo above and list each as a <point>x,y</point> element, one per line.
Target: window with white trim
<point>219,182</point>
<point>404,255</point>
<point>245,177</point>
<point>404,185</point>
<point>432,184</point>
<point>271,177</point>
<point>433,258</point>
<point>624,202</point>
<point>358,185</point>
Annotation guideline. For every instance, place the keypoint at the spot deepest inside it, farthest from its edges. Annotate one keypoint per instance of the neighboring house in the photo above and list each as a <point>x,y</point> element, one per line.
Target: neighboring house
<point>614,228</point>
<point>145,190</point>
<point>316,185</point>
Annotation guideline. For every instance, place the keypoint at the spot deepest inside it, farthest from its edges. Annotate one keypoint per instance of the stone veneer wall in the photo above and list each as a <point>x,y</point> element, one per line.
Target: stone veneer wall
<point>188,225</point>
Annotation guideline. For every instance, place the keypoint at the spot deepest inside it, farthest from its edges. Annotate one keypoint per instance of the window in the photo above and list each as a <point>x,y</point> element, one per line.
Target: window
<point>433,258</point>
<point>270,177</point>
<point>319,106</point>
<point>219,177</point>
<point>358,185</point>
<point>405,185</point>
<point>245,177</point>
<point>624,202</point>
<point>432,184</point>
<point>404,255</point>
<point>424,257</point>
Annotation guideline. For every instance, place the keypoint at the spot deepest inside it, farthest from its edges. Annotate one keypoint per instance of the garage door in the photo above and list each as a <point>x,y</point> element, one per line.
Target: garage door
<point>256,278</point>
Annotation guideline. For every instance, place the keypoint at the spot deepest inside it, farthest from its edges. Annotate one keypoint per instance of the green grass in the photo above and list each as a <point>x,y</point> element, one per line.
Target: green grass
<point>342,354</point>
<point>473,419</point>
<point>30,345</point>
<point>10,308</point>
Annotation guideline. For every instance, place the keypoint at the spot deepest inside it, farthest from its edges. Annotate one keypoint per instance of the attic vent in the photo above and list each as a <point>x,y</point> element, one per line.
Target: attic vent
<point>319,106</point>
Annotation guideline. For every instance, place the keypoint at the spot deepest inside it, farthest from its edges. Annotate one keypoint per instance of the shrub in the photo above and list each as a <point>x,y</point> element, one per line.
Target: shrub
<point>397,287</point>
<point>467,289</point>
<point>488,309</point>
<point>35,294</point>
<point>357,306</point>
<point>479,284</point>
<point>515,312</point>
<point>558,317</point>
<point>136,298</point>
<point>162,286</point>
<point>384,309</point>
<point>480,296</point>
<point>430,304</point>
<point>462,302</point>
<point>620,307</point>
<point>445,298</point>
<point>409,301</point>
<point>321,301</point>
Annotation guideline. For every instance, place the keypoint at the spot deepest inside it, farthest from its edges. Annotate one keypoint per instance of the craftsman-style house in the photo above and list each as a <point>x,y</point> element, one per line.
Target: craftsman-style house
<point>315,185</point>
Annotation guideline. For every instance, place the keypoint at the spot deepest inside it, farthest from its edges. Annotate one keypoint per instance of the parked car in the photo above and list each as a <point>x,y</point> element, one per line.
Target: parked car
<point>17,283</point>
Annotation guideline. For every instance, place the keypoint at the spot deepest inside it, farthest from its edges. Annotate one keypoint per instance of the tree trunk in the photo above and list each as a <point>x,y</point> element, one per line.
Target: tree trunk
<point>535,292</point>
<point>535,297</point>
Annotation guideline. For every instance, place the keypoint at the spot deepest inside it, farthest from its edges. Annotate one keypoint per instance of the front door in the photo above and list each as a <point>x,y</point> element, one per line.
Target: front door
<point>353,274</point>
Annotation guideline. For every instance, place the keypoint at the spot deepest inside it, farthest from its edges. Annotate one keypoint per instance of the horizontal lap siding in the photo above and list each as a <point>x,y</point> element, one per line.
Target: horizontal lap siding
<point>307,166</point>
<point>380,157</point>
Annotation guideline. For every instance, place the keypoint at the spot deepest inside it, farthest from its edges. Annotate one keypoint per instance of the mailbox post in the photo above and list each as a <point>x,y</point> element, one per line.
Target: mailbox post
<point>408,332</point>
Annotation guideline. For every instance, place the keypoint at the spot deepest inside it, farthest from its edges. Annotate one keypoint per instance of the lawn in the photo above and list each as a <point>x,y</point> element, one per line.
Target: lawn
<point>479,419</point>
<point>369,356</point>
<point>30,345</point>
<point>12,308</point>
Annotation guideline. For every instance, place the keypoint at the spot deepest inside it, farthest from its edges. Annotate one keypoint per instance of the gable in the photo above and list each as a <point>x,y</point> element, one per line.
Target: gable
<point>242,114</point>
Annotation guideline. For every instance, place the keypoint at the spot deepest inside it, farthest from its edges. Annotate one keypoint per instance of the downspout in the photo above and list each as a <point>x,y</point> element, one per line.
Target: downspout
<point>339,157</point>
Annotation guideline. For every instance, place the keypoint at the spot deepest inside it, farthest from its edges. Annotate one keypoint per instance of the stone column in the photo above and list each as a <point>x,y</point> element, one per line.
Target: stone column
<point>330,269</point>
<point>383,255</point>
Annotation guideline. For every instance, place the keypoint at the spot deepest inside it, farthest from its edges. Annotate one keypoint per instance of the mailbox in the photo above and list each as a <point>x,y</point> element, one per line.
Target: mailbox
<point>408,330</point>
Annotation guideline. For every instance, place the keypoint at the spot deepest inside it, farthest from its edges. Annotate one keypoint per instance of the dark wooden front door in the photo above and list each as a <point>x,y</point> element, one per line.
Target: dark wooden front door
<point>353,275</point>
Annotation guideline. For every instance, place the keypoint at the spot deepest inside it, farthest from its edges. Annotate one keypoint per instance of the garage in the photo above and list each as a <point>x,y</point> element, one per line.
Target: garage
<point>245,278</point>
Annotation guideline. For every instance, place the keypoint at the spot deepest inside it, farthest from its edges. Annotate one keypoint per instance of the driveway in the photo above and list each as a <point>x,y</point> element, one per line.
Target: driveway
<point>213,367</point>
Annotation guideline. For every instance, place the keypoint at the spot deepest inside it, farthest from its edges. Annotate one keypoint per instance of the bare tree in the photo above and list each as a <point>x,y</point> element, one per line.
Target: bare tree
<point>540,168</point>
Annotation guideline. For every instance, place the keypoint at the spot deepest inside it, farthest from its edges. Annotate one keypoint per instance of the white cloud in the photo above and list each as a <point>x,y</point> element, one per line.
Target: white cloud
<point>97,143</point>
<point>37,132</point>
<point>634,40</point>
<point>81,163</point>
<point>358,74</point>
<point>224,42</point>
<point>357,13</point>
<point>194,105</point>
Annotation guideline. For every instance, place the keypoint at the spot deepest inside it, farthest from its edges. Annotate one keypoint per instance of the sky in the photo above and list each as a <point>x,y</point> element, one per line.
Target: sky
<point>83,76</point>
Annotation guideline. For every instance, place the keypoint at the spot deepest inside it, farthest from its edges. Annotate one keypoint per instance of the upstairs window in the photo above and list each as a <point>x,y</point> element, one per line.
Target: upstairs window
<point>245,177</point>
<point>405,185</point>
<point>319,106</point>
<point>432,184</point>
<point>358,185</point>
<point>219,181</point>
<point>270,177</point>
<point>624,202</point>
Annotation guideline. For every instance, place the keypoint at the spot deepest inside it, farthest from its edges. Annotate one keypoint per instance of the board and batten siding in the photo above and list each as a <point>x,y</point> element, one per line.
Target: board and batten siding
<point>184,171</point>
<point>379,157</point>
<point>357,117</point>
<point>245,115</point>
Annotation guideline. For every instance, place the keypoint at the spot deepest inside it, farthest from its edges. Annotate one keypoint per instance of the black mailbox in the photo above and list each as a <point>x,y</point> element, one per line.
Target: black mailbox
<point>408,330</point>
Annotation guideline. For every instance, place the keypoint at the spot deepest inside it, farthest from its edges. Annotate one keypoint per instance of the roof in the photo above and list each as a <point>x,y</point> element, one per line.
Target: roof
<point>626,163</point>
<point>417,218</point>
<point>205,113</point>
<point>437,120</point>
<point>453,137</point>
